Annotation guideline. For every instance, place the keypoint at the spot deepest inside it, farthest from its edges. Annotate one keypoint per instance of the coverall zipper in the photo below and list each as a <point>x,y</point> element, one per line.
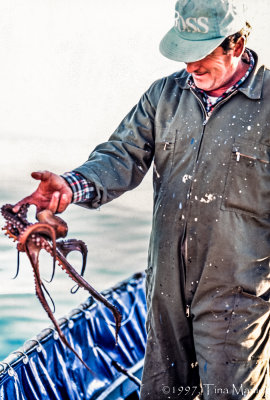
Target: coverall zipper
<point>206,119</point>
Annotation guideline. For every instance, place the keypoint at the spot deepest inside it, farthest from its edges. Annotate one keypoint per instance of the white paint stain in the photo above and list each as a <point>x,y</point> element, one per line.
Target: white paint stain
<point>186,177</point>
<point>155,169</point>
<point>208,198</point>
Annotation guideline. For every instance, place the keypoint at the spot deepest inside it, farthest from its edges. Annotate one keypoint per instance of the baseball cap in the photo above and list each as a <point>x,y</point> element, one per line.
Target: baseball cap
<point>200,27</point>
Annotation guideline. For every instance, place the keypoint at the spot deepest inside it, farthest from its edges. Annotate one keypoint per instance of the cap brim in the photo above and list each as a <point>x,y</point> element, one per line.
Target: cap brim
<point>176,48</point>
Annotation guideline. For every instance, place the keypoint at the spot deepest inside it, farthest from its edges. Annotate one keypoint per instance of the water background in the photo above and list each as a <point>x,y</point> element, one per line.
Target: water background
<point>69,71</point>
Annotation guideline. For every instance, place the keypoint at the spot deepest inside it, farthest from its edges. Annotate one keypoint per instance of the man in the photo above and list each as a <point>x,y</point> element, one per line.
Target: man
<point>207,130</point>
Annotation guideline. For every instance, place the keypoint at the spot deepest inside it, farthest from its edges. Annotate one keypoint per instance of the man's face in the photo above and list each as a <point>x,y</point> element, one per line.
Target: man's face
<point>214,71</point>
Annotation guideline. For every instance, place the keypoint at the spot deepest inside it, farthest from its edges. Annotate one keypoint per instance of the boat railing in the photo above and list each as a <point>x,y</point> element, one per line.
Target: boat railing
<point>40,368</point>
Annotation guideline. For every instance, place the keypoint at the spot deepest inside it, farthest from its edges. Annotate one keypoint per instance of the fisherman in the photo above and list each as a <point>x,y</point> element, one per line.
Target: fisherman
<point>207,281</point>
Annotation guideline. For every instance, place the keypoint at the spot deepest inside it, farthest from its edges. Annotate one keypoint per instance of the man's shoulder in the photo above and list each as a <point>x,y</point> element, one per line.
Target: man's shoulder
<point>167,86</point>
<point>263,71</point>
<point>261,62</point>
<point>266,68</point>
<point>181,74</point>
<point>169,82</point>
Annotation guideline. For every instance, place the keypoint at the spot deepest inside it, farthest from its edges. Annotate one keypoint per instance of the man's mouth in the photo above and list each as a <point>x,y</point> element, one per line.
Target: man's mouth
<point>198,74</point>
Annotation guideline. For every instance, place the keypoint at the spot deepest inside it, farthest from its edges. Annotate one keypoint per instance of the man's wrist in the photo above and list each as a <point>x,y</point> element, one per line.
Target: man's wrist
<point>82,189</point>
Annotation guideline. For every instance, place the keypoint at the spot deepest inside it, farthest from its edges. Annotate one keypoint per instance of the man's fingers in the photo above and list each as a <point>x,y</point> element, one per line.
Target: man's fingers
<point>53,205</point>
<point>63,203</point>
<point>28,199</point>
<point>41,175</point>
<point>59,202</point>
<point>17,206</point>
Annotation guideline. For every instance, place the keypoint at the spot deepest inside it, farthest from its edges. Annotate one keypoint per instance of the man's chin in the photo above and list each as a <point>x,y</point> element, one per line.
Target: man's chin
<point>203,86</point>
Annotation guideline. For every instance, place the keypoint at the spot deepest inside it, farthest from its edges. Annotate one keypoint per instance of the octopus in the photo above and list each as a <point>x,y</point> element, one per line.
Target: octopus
<point>31,238</point>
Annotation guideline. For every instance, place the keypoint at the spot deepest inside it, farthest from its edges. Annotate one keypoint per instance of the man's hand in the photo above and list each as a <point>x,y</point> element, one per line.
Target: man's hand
<point>53,193</point>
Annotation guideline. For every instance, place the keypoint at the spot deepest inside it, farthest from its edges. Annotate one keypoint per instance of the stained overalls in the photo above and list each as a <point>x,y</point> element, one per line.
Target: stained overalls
<point>208,267</point>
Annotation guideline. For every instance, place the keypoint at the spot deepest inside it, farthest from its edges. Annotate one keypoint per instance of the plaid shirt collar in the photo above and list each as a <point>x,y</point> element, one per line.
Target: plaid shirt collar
<point>209,105</point>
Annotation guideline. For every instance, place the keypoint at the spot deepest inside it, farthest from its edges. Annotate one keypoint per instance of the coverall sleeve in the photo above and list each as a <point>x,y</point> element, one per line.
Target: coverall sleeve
<point>120,164</point>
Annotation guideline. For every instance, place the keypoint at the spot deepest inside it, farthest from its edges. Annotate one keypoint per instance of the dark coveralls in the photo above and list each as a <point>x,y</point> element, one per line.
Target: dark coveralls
<point>208,269</point>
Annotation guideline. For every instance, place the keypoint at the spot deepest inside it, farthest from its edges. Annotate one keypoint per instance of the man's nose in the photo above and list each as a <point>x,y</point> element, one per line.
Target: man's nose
<point>192,66</point>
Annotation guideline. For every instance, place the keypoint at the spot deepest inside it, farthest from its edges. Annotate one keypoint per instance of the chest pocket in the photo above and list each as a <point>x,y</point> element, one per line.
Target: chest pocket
<point>247,187</point>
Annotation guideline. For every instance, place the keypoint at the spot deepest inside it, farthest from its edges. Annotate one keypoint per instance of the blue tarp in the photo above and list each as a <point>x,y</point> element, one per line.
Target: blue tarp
<point>51,371</point>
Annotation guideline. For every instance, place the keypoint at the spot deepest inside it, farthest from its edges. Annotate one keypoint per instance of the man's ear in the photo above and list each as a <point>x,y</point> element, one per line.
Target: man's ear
<point>239,47</point>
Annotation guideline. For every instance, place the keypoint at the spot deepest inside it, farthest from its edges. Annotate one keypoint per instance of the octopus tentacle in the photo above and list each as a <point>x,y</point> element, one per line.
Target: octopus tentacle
<point>18,265</point>
<point>50,297</point>
<point>73,274</point>
<point>40,242</point>
<point>66,246</point>
<point>47,217</point>
<point>42,229</point>
<point>32,238</point>
<point>39,292</point>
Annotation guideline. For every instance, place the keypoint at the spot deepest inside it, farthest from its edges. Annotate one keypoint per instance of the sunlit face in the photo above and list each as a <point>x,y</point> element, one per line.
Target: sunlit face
<point>214,71</point>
